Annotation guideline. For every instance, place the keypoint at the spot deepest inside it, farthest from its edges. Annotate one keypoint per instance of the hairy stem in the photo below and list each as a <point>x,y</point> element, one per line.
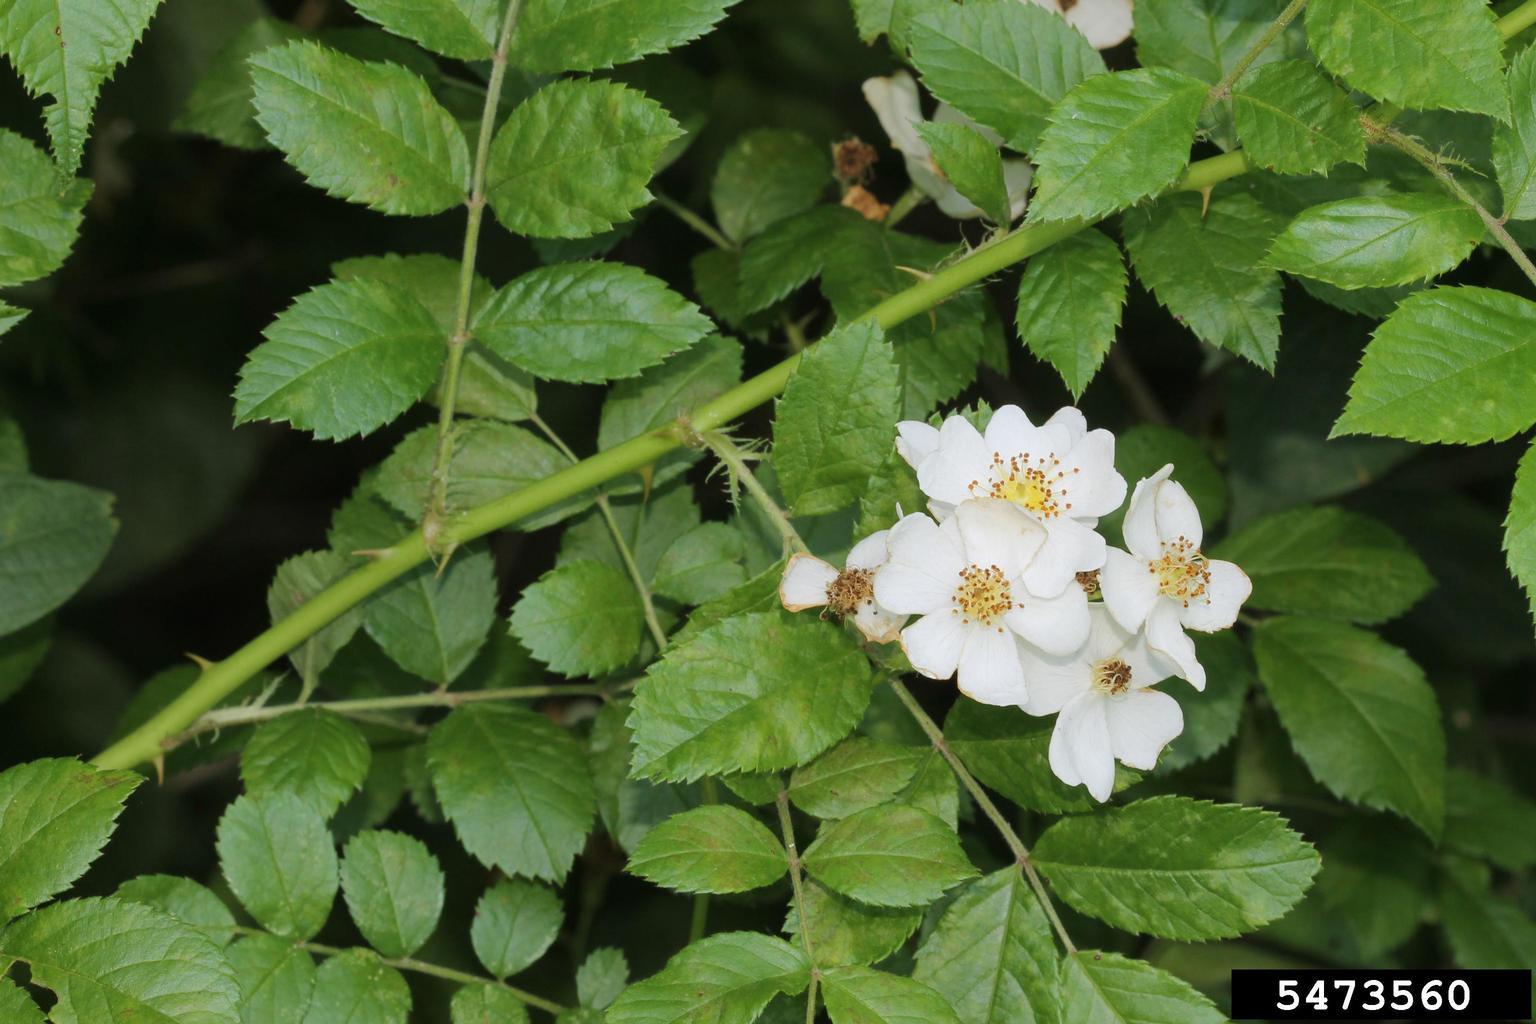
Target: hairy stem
<point>736,462</point>
<point>1223,88</point>
<point>797,886</point>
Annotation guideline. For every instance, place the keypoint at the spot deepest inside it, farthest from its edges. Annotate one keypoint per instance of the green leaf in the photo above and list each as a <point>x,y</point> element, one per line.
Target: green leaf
<point>714,848</point>
<point>56,814</point>
<point>1373,892</point>
<point>1520,527</point>
<point>319,757</point>
<point>1329,563</point>
<point>589,322</point>
<point>651,524</point>
<point>184,900</point>
<point>1107,988</point>
<point>787,254</point>
<point>394,890</point>
<point>1113,140</point>
<point>1359,713</point>
<point>367,132</point>
<point>39,214</point>
<point>584,35</point>
<point>1007,750</point>
<point>992,955</point>
<point>10,316</point>
<point>1005,64</point>
<point>1378,241</point>
<point>855,775</point>
<point>1452,365</point>
<point>765,176</point>
<point>1204,38</point>
<point>462,29</point>
<point>580,618</point>
<point>971,163</point>
<point>278,858</point>
<point>67,49</point>
<point>601,977</point>
<point>1484,931</point>
<point>724,979</point>
<point>344,359</point>
<point>1485,818</point>
<point>276,979</point>
<point>833,426</point>
<point>1514,144</point>
<point>16,1007</point>
<point>515,923</point>
<point>1204,263</point>
<point>755,692</point>
<point>296,581</point>
<point>659,395</point>
<point>1070,298</point>
<point>1211,717</point>
<point>1418,55</point>
<point>1292,120</point>
<point>515,786</point>
<point>53,537</point>
<point>481,1003</point>
<point>845,931</point>
<point>433,621</point>
<point>1178,868</point>
<point>21,653</point>
<point>430,279</point>
<point>614,135</point>
<point>111,962</point>
<point>355,985</point>
<point>220,104</point>
<point>702,564</point>
<point>862,995</point>
<point>888,857</point>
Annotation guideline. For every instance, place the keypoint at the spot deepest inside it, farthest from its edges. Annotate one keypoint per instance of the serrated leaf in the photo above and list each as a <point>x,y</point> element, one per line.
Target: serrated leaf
<point>1484,931</point>
<point>832,428</point>
<point>701,564</point>
<point>10,316</point>
<point>319,757</point>
<point>1007,750</point>
<point>220,104</point>
<point>53,537</point>
<point>755,692</point>
<point>16,1007</point>
<point>184,900</point>
<point>601,977</point>
<point>971,163</point>
<point>589,322</point>
<point>584,35</point>
<point>1453,365</point>
<point>278,858</point>
<point>992,955</point>
<point>276,979</point>
<point>1204,38</point>
<point>343,360</point>
<point>295,582</point>
<point>515,923</point>
<point>710,849</point>
<point>786,255</point>
<point>1377,241</point>
<point>1113,140</point>
<point>430,279</point>
<point>355,985</point>
<point>56,814</point>
<point>845,931</point>
<point>1292,120</point>
<point>1107,988</point>
<point>612,134</point>
<point>581,618</point>
<point>723,979</point>
<point>67,49</point>
<point>1485,818</point>
<point>39,214</point>
<point>462,29</point>
<point>1359,713</point>
<point>1070,298</point>
<point>1514,144</point>
<point>1178,868</point>
<point>765,176</point>
<point>1204,263</point>
<point>394,890</point>
<point>1418,55</point>
<point>111,962</point>
<point>481,1003</point>
<point>1005,64</point>
<point>1372,894</point>
<point>650,524</point>
<point>862,995</point>
<point>432,622</point>
<point>659,395</point>
<point>515,786</point>
<point>1520,527</point>
<point>888,857</point>
<point>853,776</point>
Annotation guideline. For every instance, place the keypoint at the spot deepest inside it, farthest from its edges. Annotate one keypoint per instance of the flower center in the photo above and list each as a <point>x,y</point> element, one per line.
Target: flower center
<point>1034,484</point>
<point>1111,677</point>
<point>983,595</point>
<point>1182,572</point>
<point>852,588</point>
<point>1089,581</point>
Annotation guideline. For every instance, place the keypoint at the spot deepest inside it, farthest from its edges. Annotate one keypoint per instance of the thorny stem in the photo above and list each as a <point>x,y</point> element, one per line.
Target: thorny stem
<point>736,462</point>
<point>693,220</point>
<point>436,513</point>
<point>984,801</point>
<point>1223,88</point>
<point>797,885</point>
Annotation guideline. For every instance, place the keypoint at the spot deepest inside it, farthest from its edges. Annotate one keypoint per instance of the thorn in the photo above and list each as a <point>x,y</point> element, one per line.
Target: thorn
<point>159,763</point>
<point>648,476</point>
<point>371,552</point>
<point>201,662</point>
<point>1205,200</point>
<point>442,563</point>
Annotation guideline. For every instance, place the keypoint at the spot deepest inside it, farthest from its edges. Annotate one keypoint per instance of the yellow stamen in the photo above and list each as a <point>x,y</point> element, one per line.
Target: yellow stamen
<point>983,596</point>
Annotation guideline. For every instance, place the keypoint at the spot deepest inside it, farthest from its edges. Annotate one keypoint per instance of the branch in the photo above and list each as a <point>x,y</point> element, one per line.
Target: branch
<point>1223,88</point>
<point>797,885</point>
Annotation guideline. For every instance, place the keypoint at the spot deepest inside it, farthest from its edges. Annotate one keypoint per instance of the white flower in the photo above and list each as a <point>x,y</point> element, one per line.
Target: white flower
<point>895,103</point>
<point>808,582</point>
<point>1106,23</point>
<point>963,577</point>
<point>1061,473</point>
<point>1107,712</point>
<point>1164,582</point>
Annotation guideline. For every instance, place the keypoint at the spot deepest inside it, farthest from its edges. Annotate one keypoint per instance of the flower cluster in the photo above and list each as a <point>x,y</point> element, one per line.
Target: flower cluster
<point>1007,585</point>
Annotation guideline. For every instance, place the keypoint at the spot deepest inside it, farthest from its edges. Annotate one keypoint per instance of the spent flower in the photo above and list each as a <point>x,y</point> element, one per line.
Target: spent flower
<point>810,582</point>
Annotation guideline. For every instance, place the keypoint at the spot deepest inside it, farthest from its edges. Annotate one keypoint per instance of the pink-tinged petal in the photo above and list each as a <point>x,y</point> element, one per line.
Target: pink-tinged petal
<point>989,669</point>
<point>1057,625</point>
<point>1165,638</point>
<point>1080,750</point>
<point>895,103</point>
<point>1141,537</point>
<point>933,644</point>
<point>1096,488</point>
<point>804,583</point>
<point>1070,418</point>
<point>1069,548</point>
<point>1141,724</point>
<point>997,532</point>
<point>915,441</point>
<point>1177,516</point>
<point>871,552</point>
<point>1052,680</point>
<point>1225,593</point>
<point>962,459</point>
<point>878,625</point>
<point>1129,589</point>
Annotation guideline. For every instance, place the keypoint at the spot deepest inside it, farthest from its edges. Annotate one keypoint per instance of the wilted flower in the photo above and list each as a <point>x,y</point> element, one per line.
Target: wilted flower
<point>809,582</point>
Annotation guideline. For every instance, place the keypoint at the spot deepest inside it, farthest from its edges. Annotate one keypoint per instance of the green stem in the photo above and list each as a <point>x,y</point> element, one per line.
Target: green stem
<point>797,887</point>
<point>735,460</point>
<point>908,201</point>
<point>1518,20</point>
<point>1223,88</point>
<point>693,220</point>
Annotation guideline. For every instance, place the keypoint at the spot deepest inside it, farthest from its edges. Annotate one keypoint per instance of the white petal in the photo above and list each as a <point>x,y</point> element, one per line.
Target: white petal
<point>1052,680</point>
<point>1177,516</point>
<point>1017,175</point>
<point>1105,23</point>
<point>1165,637</point>
<point>871,552</point>
<point>1147,668</point>
<point>878,625</point>
<point>1095,489</point>
<point>1141,724</point>
<point>941,510</point>
<point>1056,625</point>
<point>931,182</point>
<point>1129,588</point>
<point>1140,527</point>
<point>804,583</point>
<point>1080,750</point>
<point>923,569</point>
<point>1069,548</point>
<point>946,113</point>
<point>916,440</point>
<point>933,644</point>
<point>1228,588</point>
<point>1010,434</point>
<point>895,103</point>
<point>999,533</point>
<point>989,669</point>
<point>1071,418</point>
<point>960,460</point>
